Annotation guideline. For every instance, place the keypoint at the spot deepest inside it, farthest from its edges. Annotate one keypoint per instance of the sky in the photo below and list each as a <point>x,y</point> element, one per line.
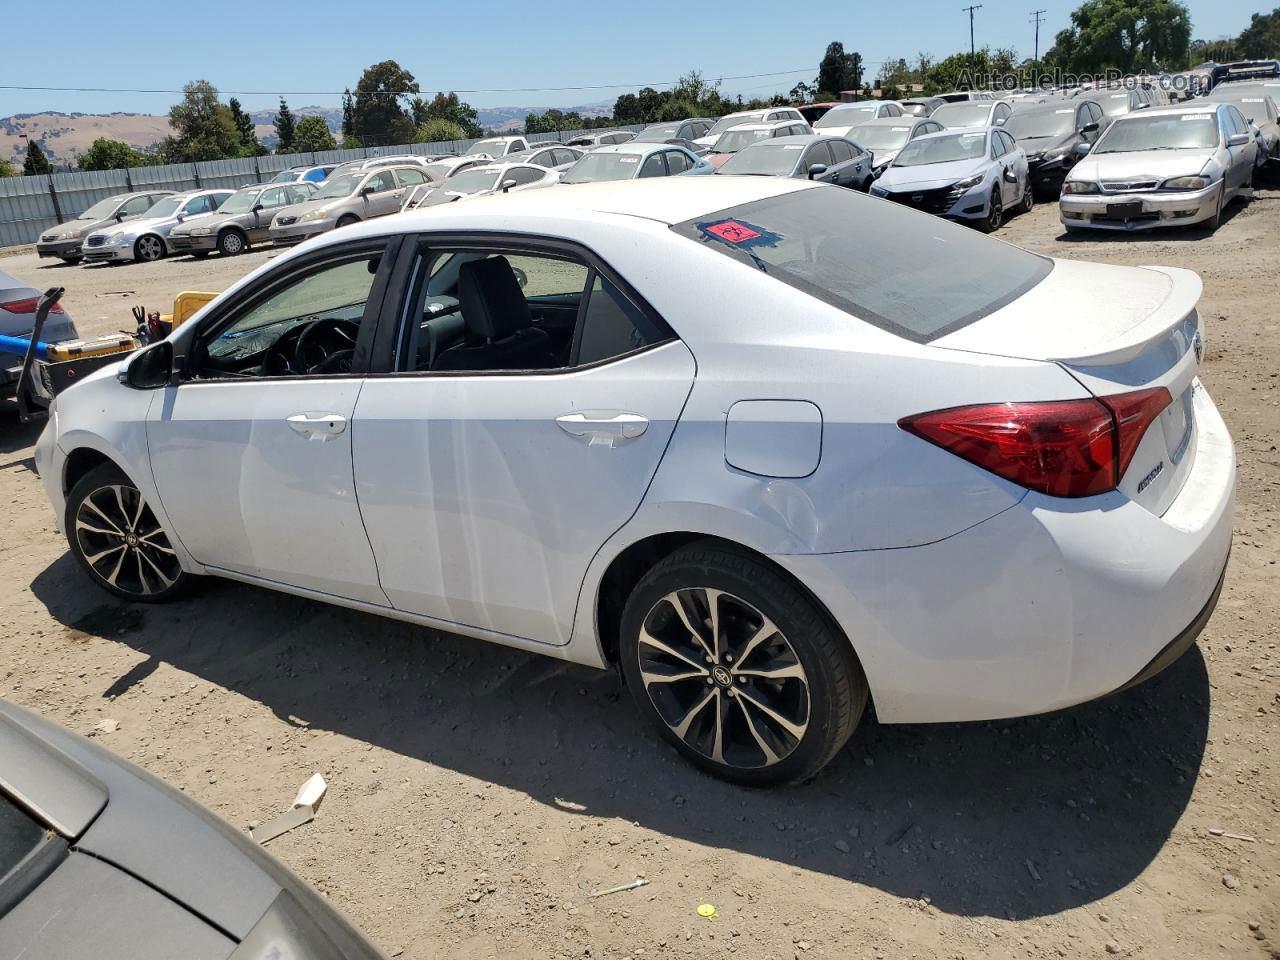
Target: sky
<point>310,51</point>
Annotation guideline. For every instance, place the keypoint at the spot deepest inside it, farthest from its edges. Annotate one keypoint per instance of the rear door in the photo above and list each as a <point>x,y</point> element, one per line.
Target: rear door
<point>487,490</point>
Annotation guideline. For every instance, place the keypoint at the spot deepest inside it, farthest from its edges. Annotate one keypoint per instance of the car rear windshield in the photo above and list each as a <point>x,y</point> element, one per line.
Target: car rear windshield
<point>767,158</point>
<point>881,138</point>
<point>19,835</point>
<point>603,166</point>
<point>735,140</point>
<point>971,114</point>
<point>1036,124</point>
<point>846,116</point>
<point>906,272</point>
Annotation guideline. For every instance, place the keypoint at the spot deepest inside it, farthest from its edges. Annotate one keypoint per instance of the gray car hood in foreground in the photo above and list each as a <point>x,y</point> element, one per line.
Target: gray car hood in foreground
<point>931,174</point>
<point>1142,165</point>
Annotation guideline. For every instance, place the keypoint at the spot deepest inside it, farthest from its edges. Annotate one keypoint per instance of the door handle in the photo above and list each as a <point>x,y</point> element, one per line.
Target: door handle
<point>322,425</point>
<point>603,429</point>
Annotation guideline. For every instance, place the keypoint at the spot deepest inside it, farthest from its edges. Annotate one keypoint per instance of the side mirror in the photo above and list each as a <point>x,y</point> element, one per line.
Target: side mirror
<point>1010,176</point>
<point>1000,121</point>
<point>1083,148</point>
<point>258,208</point>
<point>817,170</point>
<point>366,191</point>
<point>149,368</point>
<point>507,185</point>
<point>119,216</point>
<point>1238,139</point>
<point>1090,127</point>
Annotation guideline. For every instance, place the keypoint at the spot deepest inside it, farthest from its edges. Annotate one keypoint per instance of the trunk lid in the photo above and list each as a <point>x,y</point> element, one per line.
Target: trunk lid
<point>1115,330</point>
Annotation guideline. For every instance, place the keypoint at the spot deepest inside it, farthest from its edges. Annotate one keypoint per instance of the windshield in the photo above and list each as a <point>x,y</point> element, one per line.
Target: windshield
<point>1115,105</point>
<point>962,114</point>
<point>657,134</point>
<point>735,140</point>
<point>941,148</point>
<point>765,159</point>
<point>285,176</point>
<point>100,210</point>
<point>165,208</point>
<point>491,147</point>
<point>880,138</point>
<point>724,123</point>
<point>343,186</point>
<point>1179,131</point>
<point>1041,123</point>
<point>846,116</point>
<point>473,181</point>
<point>19,835</point>
<point>603,166</point>
<point>816,241</point>
<point>241,202</point>
<point>916,109</point>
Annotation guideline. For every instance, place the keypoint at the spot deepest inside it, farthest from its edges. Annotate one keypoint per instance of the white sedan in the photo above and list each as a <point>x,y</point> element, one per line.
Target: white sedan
<point>695,429</point>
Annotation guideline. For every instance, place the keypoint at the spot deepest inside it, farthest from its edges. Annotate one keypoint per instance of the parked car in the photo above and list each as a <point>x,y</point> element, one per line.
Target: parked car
<point>825,507</point>
<point>921,106</point>
<point>1116,103</point>
<point>964,96</point>
<point>838,121</point>
<point>497,147</point>
<point>486,179</point>
<point>344,200</point>
<point>972,175</point>
<point>604,138</point>
<point>1257,103</point>
<point>305,174</point>
<point>370,163</point>
<point>440,170</point>
<point>144,238</point>
<point>1054,136</point>
<point>739,137</point>
<point>731,120</point>
<point>634,160</point>
<point>243,220</point>
<point>553,156</point>
<point>813,112</point>
<point>1163,167</point>
<point>690,129</point>
<point>102,860</point>
<point>888,135</point>
<point>834,160</point>
<point>17,319</point>
<point>65,240</point>
<point>975,113</point>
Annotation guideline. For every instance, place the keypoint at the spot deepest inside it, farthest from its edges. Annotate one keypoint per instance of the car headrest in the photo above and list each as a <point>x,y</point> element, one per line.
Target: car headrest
<point>491,299</point>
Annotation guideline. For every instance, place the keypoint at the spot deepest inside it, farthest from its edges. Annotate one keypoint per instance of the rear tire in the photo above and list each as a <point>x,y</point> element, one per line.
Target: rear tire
<point>117,540</point>
<point>783,691</point>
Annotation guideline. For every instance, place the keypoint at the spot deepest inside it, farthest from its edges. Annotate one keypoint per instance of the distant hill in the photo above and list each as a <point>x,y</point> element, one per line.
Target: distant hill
<point>64,136</point>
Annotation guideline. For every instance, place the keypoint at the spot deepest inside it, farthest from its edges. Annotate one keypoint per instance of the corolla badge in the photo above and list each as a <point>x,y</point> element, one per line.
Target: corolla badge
<point>1197,344</point>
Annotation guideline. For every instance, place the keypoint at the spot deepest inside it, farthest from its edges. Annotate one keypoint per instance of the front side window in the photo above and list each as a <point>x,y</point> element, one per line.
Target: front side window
<point>131,209</point>
<point>612,325</point>
<point>653,166</point>
<point>677,162</point>
<point>205,204</point>
<point>815,241</point>
<point>381,182</point>
<point>306,327</point>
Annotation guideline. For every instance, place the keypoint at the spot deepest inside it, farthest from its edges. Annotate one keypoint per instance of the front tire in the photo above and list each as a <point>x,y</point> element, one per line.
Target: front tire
<point>995,213</point>
<point>71,261</point>
<point>148,247</point>
<point>347,219</point>
<point>117,540</point>
<point>738,668</point>
<point>231,243</point>
<point>1028,198</point>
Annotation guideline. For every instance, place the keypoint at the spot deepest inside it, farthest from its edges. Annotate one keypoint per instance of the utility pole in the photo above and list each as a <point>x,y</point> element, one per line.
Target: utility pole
<point>972,50</point>
<point>1037,19</point>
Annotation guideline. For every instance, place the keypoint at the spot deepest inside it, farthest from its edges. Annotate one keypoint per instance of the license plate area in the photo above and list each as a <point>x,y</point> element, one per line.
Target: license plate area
<point>1124,211</point>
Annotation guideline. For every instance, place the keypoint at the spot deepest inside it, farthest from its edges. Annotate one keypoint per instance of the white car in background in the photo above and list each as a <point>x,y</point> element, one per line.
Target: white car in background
<point>972,113</point>
<point>497,147</point>
<point>481,180</point>
<point>731,120</point>
<point>721,433</point>
<point>1162,167</point>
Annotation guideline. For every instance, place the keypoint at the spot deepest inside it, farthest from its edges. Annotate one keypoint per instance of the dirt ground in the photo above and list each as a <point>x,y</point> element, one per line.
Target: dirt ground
<point>477,794</point>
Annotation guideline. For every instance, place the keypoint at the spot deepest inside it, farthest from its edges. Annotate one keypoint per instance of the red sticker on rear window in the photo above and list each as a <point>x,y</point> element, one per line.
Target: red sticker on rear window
<point>732,231</point>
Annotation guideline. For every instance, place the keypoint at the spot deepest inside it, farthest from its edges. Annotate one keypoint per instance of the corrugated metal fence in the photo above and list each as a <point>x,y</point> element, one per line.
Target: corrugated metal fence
<point>31,205</point>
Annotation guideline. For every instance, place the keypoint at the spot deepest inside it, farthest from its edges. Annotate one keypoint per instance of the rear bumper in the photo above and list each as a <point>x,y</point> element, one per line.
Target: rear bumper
<point>61,248</point>
<point>1048,604</point>
<point>1174,209</point>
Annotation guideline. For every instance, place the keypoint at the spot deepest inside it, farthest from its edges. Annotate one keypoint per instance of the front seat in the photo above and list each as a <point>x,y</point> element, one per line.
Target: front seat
<point>500,332</point>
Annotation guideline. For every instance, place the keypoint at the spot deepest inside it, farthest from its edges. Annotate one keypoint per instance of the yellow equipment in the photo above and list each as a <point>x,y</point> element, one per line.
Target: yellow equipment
<point>185,306</point>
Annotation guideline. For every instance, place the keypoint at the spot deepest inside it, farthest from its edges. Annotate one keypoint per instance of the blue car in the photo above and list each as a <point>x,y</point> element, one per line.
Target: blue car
<point>972,175</point>
<point>633,160</point>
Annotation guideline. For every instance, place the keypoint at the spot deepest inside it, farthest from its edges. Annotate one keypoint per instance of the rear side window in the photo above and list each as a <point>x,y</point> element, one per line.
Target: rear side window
<point>815,240</point>
<point>612,325</point>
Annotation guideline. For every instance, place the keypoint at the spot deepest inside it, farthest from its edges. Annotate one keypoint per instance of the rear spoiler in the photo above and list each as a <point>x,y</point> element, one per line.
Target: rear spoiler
<point>1184,294</point>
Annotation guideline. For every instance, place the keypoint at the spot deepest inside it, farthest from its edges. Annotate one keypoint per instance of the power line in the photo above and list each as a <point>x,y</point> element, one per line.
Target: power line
<point>338,93</point>
<point>1037,18</point>
<point>976,6</point>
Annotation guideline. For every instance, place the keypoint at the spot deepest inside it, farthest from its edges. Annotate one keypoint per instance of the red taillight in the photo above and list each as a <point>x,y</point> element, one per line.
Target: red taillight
<point>27,306</point>
<point>1065,448</point>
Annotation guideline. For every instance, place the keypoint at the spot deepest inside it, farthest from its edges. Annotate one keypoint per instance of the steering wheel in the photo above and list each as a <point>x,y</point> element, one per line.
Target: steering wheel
<point>326,345</point>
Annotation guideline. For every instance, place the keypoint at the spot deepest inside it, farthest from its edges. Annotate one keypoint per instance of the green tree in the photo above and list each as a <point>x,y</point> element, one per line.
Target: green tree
<point>348,116</point>
<point>801,93</point>
<point>377,113</point>
<point>106,154</point>
<point>437,129</point>
<point>286,128</point>
<point>839,71</point>
<point>249,145</point>
<point>1126,35</point>
<point>7,169</point>
<point>203,128</point>
<point>446,106</point>
<point>36,164</point>
<point>312,134</point>
<point>1261,38</point>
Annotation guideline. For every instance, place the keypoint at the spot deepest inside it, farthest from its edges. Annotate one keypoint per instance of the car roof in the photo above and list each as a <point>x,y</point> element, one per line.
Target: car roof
<point>906,120</point>
<point>958,131</point>
<point>770,125</point>
<point>803,138</point>
<point>635,147</point>
<point>1051,106</point>
<point>1173,111</point>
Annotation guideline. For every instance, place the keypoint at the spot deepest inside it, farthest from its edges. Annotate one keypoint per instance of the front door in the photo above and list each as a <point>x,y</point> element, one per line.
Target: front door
<point>491,469</point>
<point>251,453</point>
